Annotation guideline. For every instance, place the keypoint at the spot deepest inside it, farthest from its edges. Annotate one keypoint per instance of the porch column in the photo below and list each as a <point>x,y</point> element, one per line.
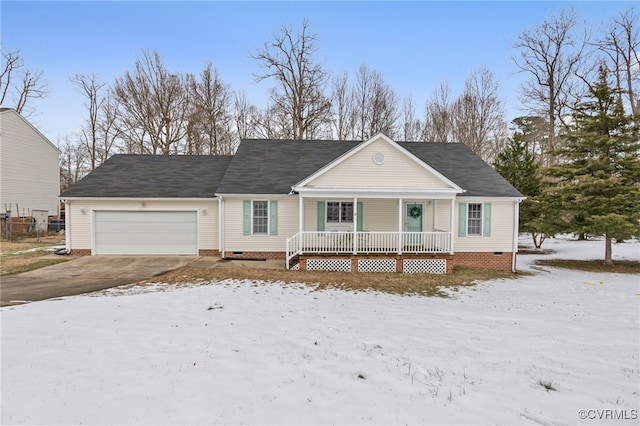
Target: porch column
<point>451,222</point>
<point>300,213</point>
<point>355,225</point>
<point>433,213</point>
<point>400,213</point>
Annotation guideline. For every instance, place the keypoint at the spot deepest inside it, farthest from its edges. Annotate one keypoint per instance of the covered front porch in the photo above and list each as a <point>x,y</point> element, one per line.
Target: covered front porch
<point>377,231</point>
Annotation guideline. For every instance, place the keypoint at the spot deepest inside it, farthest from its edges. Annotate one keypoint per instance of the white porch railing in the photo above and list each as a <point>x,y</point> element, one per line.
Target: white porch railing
<point>313,242</point>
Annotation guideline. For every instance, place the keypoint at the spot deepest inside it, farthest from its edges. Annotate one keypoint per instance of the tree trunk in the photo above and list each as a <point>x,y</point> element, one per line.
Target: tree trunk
<point>607,250</point>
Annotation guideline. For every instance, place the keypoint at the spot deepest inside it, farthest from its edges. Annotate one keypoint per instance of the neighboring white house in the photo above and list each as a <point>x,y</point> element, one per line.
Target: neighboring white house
<point>374,205</point>
<point>29,167</point>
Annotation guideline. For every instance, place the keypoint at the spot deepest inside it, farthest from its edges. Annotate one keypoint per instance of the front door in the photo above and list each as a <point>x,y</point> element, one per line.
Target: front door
<point>413,220</point>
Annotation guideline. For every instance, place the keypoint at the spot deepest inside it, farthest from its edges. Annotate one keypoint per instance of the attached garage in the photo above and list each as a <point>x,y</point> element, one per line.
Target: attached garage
<point>146,232</point>
<point>146,205</point>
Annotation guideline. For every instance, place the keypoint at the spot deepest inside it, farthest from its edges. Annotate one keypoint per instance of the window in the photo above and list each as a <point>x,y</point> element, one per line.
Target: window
<point>339,212</point>
<point>474,219</point>
<point>260,219</point>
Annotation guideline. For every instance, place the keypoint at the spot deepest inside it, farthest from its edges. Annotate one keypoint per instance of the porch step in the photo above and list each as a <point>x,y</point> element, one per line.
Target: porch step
<point>294,263</point>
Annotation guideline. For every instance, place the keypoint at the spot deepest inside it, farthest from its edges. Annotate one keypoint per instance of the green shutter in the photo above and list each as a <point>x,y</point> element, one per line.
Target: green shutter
<point>360,217</point>
<point>462,219</point>
<point>321,215</point>
<point>486,225</point>
<point>273,217</point>
<point>246,217</point>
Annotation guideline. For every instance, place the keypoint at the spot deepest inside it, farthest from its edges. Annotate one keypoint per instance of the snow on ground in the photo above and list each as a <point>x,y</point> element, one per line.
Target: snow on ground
<point>254,353</point>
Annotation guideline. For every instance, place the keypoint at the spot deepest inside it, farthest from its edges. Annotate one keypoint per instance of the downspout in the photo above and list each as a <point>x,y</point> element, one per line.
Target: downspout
<point>516,220</point>
<point>300,225</point>
<point>300,214</point>
<point>451,224</point>
<point>67,225</point>
<point>221,225</point>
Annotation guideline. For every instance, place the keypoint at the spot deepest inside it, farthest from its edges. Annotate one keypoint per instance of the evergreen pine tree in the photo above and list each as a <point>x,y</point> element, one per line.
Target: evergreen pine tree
<point>598,177</point>
<point>520,168</point>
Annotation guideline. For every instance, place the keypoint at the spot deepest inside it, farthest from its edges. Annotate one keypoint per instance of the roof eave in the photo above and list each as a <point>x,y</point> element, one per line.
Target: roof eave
<point>76,198</point>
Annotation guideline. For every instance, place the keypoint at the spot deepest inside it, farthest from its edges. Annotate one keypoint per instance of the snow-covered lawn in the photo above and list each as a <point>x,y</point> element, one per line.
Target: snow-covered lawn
<point>253,353</point>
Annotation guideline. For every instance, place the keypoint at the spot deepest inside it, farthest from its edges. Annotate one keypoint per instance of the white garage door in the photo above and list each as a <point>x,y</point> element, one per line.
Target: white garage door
<point>154,233</point>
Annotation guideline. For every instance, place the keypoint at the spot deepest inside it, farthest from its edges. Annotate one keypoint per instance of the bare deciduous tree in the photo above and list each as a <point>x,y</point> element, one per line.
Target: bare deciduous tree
<point>210,128</point>
<point>153,107</point>
<point>376,104</point>
<point>274,123</point>
<point>551,55</point>
<point>343,109</point>
<point>621,44</point>
<point>23,84</point>
<point>90,87</point>
<point>245,117</point>
<point>72,163</point>
<point>412,127</point>
<point>97,138</point>
<point>478,115</point>
<point>299,95</point>
<point>438,120</point>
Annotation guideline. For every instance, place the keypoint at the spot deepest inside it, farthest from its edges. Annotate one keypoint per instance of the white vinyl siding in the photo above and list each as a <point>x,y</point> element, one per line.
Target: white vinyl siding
<point>236,240</point>
<point>381,215</point>
<point>81,213</point>
<point>501,239</point>
<point>146,232</point>
<point>397,171</point>
<point>442,215</point>
<point>29,167</point>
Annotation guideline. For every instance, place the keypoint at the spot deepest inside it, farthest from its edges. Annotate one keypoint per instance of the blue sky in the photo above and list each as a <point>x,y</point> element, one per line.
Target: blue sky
<point>415,45</point>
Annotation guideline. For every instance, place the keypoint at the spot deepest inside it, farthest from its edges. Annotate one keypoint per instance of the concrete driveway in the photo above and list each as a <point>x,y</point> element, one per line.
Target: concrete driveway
<point>85,275</point>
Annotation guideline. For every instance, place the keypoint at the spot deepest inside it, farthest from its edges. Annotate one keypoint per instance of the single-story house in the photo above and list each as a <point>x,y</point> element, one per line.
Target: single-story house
<point>374,205</point>
<point>29,167</point>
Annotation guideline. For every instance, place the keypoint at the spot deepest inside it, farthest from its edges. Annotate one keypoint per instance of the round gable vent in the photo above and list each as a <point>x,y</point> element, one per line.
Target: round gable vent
<point>378,158</point>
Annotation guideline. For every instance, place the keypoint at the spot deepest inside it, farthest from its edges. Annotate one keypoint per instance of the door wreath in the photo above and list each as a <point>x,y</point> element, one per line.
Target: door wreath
<point>415,212</point>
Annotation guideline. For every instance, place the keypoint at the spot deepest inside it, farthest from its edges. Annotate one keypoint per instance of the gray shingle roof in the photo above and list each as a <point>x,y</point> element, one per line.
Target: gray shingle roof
<point>462,166</point>
<point>153,176</point>
<point>268,167</point>
<point>272,167</point>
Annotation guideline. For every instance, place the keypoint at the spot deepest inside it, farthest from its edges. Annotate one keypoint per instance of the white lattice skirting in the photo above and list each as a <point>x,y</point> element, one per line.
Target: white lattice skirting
<point>342,265</point>
<point>424,266</point>
<point>376,265</point>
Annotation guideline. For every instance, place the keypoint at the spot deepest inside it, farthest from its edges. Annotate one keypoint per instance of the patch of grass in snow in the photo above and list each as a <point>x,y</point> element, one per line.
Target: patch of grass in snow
<point>530,250</point>
<point>27,243</point>
<point>547,385</point>
<point>394,283</point>
<point>594,265</point>
<point>16,263</point>
<point>23,255</point>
